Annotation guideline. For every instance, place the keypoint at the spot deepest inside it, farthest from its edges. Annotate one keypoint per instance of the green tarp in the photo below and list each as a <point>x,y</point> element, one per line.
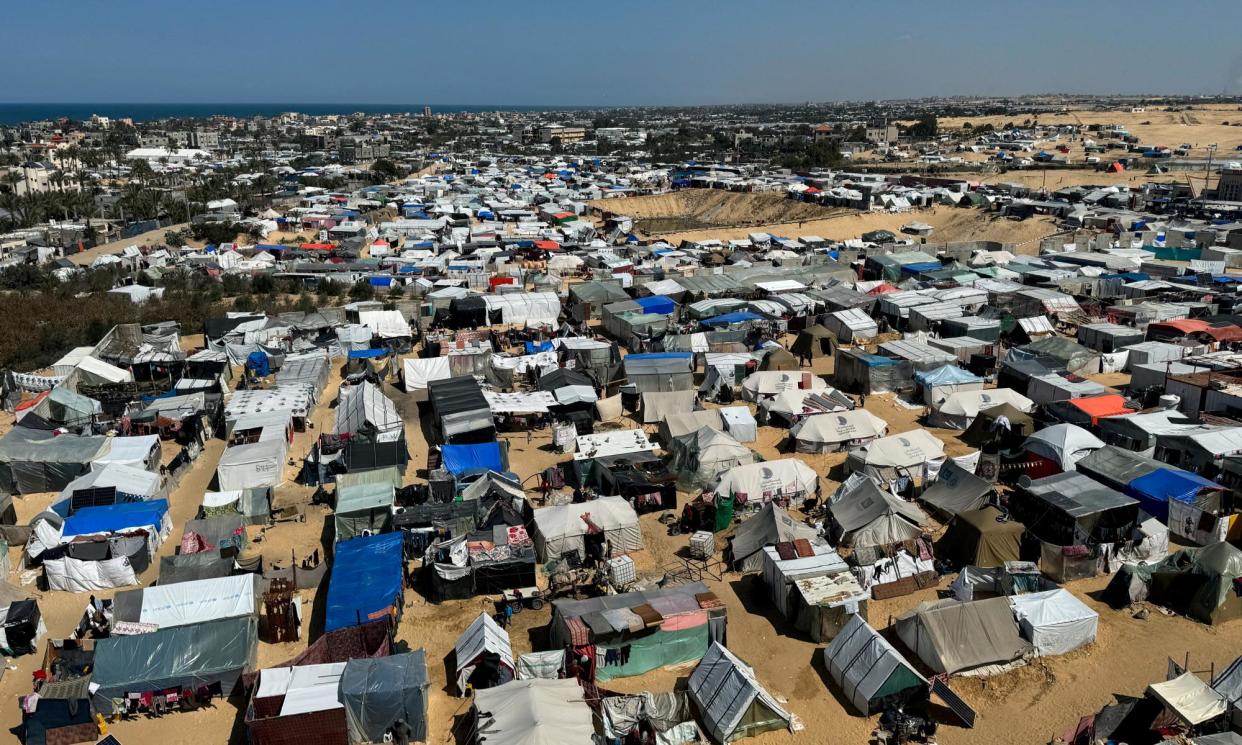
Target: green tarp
<point>654,650</point>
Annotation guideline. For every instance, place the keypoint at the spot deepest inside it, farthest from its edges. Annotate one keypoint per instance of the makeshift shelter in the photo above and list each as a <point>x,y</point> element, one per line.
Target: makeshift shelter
<point>983,538</point>
<point>657,405</point>
<point>871,672</point>
<point>460,412</point>
<point>418,373</point>
<point>942,382</point>
<point>909,454</point>
<point>739,423</point>
<point>1189,699</point>
<point>257,464</point>
<point>954,637</point>
<point>187,603</point>
<point>193,656</point>
<point>857,370</point>
<point>956,490</point>
<point>365,409</point>
<point>363,509</point>
<point>292,704</point>
<point>1054,621</point>
<point>35,460</point>
<point>701,457</point>
<point>868,517</point>
<point>731,701</point>
<point>1195,581</point>
<point>958,410</point>
<point>812,586</point>
<point>851,325</point>
<point>1060,447</point>
<point>534,712</point>
<point>607,526</point>
<point>826,433</point>
<point>483,656</point>
<point>111,484</point>
<point>366,583</point>
<point>768,527</point>
<point>660,371</point>
<point>1167,492</point>
<point>21,623</point>
<point>998,425</point>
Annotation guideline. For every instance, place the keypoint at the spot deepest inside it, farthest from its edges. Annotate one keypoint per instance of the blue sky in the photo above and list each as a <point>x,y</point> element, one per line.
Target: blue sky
<point>548,52</point>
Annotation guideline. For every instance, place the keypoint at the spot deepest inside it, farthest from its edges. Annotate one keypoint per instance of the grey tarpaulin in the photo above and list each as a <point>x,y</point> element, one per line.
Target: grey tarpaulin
<point>731,700</point>
<point>187,567</point>
<point>379,691</point>
<point>771,525</point>
<point>35,460</point>
<point>182,656</point>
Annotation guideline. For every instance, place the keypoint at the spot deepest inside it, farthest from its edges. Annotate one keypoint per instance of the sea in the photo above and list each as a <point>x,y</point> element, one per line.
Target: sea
<point>16,113</point>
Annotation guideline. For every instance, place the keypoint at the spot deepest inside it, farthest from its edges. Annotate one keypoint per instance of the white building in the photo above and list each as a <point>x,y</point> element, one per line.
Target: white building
<point>158,154</point>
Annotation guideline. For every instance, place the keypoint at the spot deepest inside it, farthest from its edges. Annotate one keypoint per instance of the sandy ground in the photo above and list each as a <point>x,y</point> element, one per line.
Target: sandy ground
<point>115,247</point>
<point>1025,706</point>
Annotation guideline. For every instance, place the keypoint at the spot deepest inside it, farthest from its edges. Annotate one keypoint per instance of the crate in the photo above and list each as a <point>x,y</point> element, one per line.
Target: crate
<point>621,571</point>
<point>702,544</point>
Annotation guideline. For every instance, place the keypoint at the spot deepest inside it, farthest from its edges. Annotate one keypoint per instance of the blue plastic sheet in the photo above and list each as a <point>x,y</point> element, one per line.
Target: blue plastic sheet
<point>366,580</point>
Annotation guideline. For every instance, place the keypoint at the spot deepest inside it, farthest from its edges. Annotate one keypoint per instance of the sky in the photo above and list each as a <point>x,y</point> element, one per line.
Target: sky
<point>615,53</point>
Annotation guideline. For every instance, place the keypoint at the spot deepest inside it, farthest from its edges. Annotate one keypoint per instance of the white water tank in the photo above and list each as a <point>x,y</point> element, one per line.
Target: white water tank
<point>1169,402</point>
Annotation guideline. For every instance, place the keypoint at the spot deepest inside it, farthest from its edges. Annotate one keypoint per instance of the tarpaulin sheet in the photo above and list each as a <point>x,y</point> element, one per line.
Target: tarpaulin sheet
<point>458,459</point>
<point>657,304</point>
<point>71,575</point>
<point>1154,490</point>
<point>188,603</point>
<point>184,656</point>
<point>378,692</point>
<point>366,580</point>
<point>116,517</point>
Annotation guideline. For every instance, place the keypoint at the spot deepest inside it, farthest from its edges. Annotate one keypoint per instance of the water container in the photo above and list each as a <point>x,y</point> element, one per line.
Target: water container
<point>1169,402</point>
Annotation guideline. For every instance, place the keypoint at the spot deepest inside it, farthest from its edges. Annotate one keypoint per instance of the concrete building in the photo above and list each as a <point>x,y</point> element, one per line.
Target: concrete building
<point>1229,188</point>
<point>881,134</point>
<point>565,135</point>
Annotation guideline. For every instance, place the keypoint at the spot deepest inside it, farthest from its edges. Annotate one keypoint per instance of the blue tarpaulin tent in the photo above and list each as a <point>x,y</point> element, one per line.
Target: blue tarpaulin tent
<point>1154,490</point>
<point>946,375</point>
<point>726,319</point>
<point>366,354</point>
<point>921,266</point>
<point>115,517</point>
<point>543,346</point>
<point>657,304</point>
<point>459,459</point>
<point>366,580</point>
<point>381,281</point>
<point>258,363</point>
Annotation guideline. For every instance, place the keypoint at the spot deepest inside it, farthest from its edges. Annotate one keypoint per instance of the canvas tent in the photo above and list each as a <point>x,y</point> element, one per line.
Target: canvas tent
<point>956,490</point>
<point>954,637</point>
<point>483,648</point>
<point>562,529</point>
<point>870,671</point>
<point>989,426</point>
<point>1062,444</point>
<point>534,712</point>
<point>730,699</point>
<point>788,478</point>
<point>824,433</point>
<point>865,516</point>
<point>981,538</point>
<point>1054,621</point>
<point>1189,699</point>
<point>814,342</point>
<point>771,525</point>
<point>958,410</point>
<point>889,458</point>
<point>701,457</point>
<point>365,409</point>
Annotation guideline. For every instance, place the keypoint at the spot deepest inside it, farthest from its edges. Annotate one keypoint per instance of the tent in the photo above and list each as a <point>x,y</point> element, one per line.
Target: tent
<point>956,490</point>
<point>1054,621</point>
<point>851,325</point>
<point>699,458</point>
<point>460,411</point>
<point>534,712</point>
<point>953,637</point>
<point>814,342</point>
<point>658,404</point>
<point>778,359</point>
<point>1062,444</point>
<point>365,409</point>
<point>252,465</point>
<point>562,529</point>
<point>946,380</point>
<point>200,654</point>
<point>981,538</point>
<point>787,478</point>
<point>988,426</point>
<point>187,603</point>
<point>958,410</point>
<point>868,516</point>
<point>292,701</point>
<point>36,460</point>
<point>769,526</point>
<point>112,483</point>
<point>366,583</point>
<point>889,458</point>
<point>767,383</point>
<point>464,460</point>
<point>1189,699</point>
<point>484,656</point>
<point>730,699</point>
<point>825,433</point>
<point>870,671</point>
<point>376,692</point>
<point>813,588</point>
<point>362,509</point>
<point>418,372</point>
<point>1158,490</point>
<point>21,623</point>
<point>1196,581</point>
<point>740,423</point>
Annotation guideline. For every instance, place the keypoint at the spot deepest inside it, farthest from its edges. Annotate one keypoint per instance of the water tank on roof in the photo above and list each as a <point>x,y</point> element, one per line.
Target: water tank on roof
<point>1169,402</point>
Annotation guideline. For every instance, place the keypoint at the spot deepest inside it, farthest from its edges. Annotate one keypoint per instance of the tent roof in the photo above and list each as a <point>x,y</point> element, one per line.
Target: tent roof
<point>862,661</point>
<point>961,635</point>
<point>175,657</point>
<point>459,459</point>
<point>903,450</point>
<point>956,490</point>
<point>866,503</point>
<point>1062,443</point>
<point>1077,495</point>
<point>366,580</point>
<point>536,712</point>
<point>768,526</point>
<point>724,688</point>
<point>1189,698</point>
<point>483,635</point>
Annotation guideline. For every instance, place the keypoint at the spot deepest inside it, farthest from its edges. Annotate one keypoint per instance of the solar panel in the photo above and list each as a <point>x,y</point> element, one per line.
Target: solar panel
<point>941,690</point>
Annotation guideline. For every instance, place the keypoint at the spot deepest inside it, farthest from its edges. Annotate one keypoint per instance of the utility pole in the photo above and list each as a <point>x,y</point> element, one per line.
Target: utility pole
<point>1207,175</point>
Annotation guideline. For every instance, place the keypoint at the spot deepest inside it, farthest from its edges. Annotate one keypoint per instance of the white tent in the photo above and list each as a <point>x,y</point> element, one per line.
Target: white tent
<point>534,712</point>
<point>559,530</point>
<point>764,383</point>
<point>386,324</point>
<point>730,699</point>
<point>851,325</point>
<point>1054,622</point>
<point>72,575</point>
<point>1189,698</point>
<point>130,483</point>
<point>823,433</point>
<point>256,464</point>
<point>418,372</point>
<point>788,478</point>
<point>525,308</point>
<point>198,601</point>
<point>482,636</point>
<point>961,408</point>
<point>910,454</point>
<point>142,452</point>
<point>700,457</point>
<point>1064,444</point>
<point>365,408</point>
